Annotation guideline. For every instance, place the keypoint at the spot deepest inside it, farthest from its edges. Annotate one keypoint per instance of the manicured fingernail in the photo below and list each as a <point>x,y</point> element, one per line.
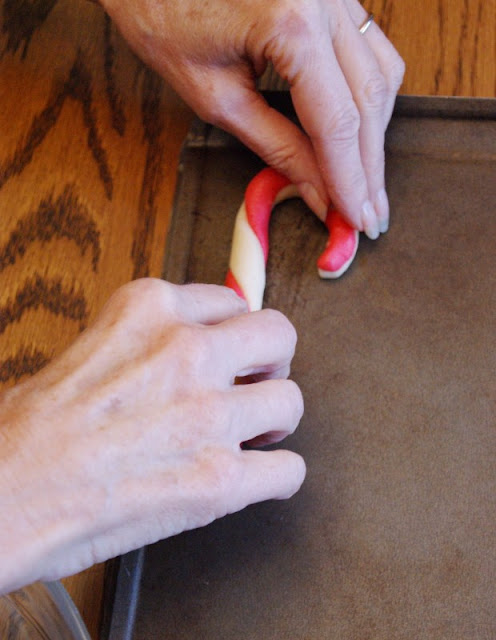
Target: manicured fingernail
<point>369,221</point>
<point>309,193</point>
<point>382,208</point>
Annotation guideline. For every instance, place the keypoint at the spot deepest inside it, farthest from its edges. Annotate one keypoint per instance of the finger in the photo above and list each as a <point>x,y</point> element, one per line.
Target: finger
<point>268,411</point>
<point>209,303</point>
<point>270,475</point>
<point>325,106</point>
<point>277,140</point>
<point>370,93</point>
<point>259,342</point>
<point>393,69</point>
<point>390,62</point>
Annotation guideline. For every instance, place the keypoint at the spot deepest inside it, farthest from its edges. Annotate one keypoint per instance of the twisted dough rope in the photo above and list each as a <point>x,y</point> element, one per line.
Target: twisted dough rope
<point>250,243</point>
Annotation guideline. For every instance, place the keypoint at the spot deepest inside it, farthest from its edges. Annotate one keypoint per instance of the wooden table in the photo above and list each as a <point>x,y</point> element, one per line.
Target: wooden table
<point>88,157</point>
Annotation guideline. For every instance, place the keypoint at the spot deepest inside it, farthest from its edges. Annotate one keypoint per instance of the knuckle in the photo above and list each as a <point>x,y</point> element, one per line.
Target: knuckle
<point>222,104</point>
<point>286,333</point>
<point>396,72</point>
<point>208,109</point>
<point>215,415</point>
<point>191,347</point>
<point>294,21</point>
<point>211,104</point>
<point>374,92</point>
<point>344,125</point>
<point>145,292</point>
<point>295,397</point>
<point>282,157</point>
<point>220,472</point>
<point>219,110</point>
<point>292,18</point>
<point>123,296</point>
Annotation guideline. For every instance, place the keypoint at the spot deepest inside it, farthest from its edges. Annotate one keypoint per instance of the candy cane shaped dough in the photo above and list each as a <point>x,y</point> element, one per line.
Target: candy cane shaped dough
<point>250,243</point>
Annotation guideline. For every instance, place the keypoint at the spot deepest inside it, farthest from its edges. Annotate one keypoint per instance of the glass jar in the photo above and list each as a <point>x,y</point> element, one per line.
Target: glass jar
<point>41,611</point>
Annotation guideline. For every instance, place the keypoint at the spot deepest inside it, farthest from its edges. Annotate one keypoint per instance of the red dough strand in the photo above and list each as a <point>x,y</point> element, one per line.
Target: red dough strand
<point>232,283</point>
<point>250,246</point>
<point>260,196</point>
<point>341,245</point>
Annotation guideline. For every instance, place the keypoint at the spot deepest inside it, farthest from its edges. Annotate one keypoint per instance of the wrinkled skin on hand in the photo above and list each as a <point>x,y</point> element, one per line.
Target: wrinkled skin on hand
<point>343,86</point>
<point>134,433</point>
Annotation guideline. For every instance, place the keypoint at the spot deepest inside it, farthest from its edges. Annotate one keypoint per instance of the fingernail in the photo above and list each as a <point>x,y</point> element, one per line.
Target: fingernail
<point>369,221</point>
<point>382,208</point>
<point>309,193</point>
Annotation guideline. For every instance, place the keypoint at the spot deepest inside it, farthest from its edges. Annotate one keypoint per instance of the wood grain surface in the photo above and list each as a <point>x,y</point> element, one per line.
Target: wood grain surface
<point>88,158</point>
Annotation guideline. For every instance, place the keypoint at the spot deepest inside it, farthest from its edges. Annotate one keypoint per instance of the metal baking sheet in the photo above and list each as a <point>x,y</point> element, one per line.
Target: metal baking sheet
<point>393,532</point>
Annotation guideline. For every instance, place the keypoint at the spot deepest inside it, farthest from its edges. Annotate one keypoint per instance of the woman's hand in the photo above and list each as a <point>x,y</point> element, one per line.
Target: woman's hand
<point>134,433</point>
<point>343,86</point>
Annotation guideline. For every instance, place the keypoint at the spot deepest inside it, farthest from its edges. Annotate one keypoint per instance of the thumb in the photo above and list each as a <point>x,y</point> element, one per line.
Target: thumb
<point>276,139</point>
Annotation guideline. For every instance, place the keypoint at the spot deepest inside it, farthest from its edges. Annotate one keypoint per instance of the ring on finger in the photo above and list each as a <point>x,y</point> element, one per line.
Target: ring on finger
<point>366,24</point>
